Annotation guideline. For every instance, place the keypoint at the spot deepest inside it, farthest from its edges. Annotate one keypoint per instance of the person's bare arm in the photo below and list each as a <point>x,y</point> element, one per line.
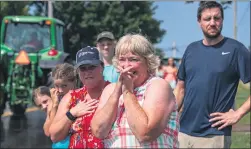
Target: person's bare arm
<point>149,121</point>
<point>231,117</point>
<point>51,114</point>
<point>49,119</point>
<point>61,124</point>
<point>179,93</point>
<point>244,109</point>
<point>47,125</point>
<point>106,112</point>
<point>53,111</point>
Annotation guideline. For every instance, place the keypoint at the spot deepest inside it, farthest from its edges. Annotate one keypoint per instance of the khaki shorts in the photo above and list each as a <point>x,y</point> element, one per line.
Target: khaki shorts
<point>211,141</point>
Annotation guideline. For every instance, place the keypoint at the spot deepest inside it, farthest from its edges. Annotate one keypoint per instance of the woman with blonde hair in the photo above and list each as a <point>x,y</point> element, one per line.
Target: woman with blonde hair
<point>139,111</point>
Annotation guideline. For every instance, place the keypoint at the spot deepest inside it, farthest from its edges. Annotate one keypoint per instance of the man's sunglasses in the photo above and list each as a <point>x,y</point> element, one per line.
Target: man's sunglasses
<point>87,67</point>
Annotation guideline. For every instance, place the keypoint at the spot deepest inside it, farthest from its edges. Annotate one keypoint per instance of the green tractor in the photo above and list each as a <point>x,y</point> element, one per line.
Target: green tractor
<point>30,47</point>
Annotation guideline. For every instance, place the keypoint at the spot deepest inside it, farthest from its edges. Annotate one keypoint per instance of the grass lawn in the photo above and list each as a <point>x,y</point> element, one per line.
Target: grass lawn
<point>241,139</point>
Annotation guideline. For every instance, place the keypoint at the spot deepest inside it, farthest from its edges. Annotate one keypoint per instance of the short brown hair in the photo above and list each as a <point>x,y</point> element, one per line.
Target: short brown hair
<point>207,5</point>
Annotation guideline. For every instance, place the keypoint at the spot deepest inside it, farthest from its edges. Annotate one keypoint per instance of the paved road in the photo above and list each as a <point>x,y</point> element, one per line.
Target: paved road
<point>25,131</point>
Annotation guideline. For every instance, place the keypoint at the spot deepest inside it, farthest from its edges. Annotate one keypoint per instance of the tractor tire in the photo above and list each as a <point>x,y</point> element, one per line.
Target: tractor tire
<point>2,107</point>
<point>3,99</point>
<point>3,95</point>
<point>18,110</point>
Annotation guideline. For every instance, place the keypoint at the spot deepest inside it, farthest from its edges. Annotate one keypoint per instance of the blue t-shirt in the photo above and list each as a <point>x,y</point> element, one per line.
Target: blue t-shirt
<point>62,144</point>
<point>110,74</point>
<point>211,75</point>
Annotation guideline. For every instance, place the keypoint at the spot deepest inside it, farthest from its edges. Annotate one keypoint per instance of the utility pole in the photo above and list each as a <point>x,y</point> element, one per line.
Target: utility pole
<point>50,9</point>
<point>174,49</point>
<point>235,19</point>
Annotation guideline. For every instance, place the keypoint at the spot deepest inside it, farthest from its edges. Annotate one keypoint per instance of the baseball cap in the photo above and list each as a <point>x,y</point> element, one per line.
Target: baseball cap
<point>105,34</point>
<point>87,56</point>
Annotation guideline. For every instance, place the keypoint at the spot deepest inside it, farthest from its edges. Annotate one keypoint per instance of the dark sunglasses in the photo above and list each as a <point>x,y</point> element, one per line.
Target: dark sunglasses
<point>87,67</point>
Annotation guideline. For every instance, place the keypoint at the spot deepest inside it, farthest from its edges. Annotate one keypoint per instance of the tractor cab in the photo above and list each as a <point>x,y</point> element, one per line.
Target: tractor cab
<point>30,47</point>
<point>31,37</point>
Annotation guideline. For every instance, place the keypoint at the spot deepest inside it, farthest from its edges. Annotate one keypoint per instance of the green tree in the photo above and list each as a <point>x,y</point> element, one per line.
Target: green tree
<point>13,8</point>
<point>84,20</point>
<point>160,53</point>
<point>225,4</point>
<point>41,8</point>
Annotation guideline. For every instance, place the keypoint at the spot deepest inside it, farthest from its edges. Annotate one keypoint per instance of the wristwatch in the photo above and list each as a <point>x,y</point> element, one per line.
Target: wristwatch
<point>70,116</point>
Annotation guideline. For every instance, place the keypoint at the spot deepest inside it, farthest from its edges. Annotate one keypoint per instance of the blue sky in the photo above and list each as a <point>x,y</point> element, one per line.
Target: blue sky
<point>179,20</point>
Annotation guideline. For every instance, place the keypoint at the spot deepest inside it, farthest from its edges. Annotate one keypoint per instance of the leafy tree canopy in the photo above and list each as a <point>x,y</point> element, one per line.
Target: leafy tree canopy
<point>85,20</point>
<point>13,8</point>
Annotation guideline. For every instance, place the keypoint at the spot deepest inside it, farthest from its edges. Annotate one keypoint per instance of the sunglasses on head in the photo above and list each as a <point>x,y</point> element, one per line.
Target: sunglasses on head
<point>87,67</point>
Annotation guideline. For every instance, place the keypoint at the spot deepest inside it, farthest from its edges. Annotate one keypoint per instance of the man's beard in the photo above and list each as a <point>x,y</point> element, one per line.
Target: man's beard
<point>212,36</point>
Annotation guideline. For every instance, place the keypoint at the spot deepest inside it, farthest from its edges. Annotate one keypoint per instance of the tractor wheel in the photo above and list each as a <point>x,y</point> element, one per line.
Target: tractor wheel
<point>2,106</point>
<point>3,95</point>
<point>3,99</point>
<point>18,110</point>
